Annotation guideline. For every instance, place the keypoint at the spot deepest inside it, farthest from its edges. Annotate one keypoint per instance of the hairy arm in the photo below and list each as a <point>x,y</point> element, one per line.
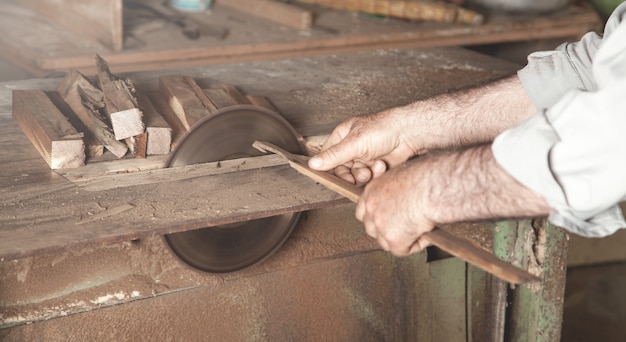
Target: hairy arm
<point>467,185</point>
<point>361,148</point>
<point>470,116</point>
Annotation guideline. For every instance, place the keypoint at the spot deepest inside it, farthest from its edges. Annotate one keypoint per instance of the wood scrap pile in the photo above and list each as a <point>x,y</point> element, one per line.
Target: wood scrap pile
<point>84,119</point>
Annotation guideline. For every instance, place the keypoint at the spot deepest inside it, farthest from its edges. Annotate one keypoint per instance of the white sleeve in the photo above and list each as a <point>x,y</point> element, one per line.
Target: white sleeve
<point>574,151</point>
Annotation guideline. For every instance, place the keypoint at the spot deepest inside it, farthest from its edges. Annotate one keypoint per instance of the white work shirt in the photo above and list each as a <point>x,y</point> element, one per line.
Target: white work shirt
<point>573,151</point>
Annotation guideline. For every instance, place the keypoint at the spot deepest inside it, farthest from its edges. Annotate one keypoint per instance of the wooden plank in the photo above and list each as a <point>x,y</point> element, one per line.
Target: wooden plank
<point>58,142</point>
<point>120,103</point>
<point>84,98</point>
<point>278,12</point>
<point>99,20</point>
<point>182,99</point>
<point>159,133</point>
<point>219,96</point>
<point>178,130</point>
<point>93,148</point>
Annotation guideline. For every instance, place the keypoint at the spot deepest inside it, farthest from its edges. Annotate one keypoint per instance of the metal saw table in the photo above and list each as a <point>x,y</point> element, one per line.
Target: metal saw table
<point>43,213</point>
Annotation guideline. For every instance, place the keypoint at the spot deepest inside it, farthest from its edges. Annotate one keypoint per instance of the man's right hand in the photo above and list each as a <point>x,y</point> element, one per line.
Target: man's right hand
<point>362,148</point>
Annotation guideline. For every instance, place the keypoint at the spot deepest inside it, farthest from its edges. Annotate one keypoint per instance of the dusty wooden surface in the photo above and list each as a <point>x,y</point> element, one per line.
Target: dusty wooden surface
<point>41,48</point>
<point>41,211</point>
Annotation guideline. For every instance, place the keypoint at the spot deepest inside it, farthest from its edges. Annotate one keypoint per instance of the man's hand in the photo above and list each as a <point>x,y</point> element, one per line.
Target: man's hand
<point>363,147</point>
<point>393,210</point>
<point>406,202</point>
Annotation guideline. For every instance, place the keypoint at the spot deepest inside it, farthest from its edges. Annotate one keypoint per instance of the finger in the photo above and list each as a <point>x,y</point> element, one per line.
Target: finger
<point>378,168</point>
<point>360,210</point>
<point>361,172</point>
<point>344,173</point>
<point>419,245</point>
<point>341,153</point>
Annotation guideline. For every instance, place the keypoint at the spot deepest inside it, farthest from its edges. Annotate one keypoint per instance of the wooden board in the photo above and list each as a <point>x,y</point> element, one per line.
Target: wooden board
<point>41,49</point>
<point>308,92</point>
<point>100,20</point>
<point>159,133</point>
<point>58,142</point>
<point>182,99</point>
<point>275,11</point>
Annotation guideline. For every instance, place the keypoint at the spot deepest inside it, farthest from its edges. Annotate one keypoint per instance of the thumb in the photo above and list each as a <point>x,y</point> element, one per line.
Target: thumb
<point>333,156</point>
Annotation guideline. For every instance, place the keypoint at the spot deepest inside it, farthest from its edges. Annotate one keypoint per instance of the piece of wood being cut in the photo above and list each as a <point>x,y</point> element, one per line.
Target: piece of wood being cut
<point>120,102</point>
<point>86,100</point>
<point>182,99</point>
<point>58,142</point>
<point>456,246</point>
<point>275,11</point>
<point>159,133</point>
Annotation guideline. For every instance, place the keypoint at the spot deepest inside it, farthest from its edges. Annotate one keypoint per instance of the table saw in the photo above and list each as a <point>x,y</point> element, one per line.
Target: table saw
<point>326,281</point>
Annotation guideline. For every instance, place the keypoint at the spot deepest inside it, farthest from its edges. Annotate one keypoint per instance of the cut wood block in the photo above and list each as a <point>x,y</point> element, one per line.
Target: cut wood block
<point>275,11</point>
<point>58,142</point>
<point>120,103</point>
<point>220,96</point>
<point>159,102</point>
<point>85,100</point>
<point>159,133</point>
<point>93,148</point>
<point>182,99</point>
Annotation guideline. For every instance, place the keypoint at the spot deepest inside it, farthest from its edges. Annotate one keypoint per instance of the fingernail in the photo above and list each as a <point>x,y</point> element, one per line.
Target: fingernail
<point>362,177</point>
<point>380,166</point>
<point>315,162</point>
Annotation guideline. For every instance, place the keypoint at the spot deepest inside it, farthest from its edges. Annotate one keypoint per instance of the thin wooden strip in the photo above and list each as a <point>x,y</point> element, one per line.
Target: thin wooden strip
<point>460,248</point>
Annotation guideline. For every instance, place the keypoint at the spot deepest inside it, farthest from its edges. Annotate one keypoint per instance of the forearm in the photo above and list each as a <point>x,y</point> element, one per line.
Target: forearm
<point>470,185</point>
<point>470,116</point>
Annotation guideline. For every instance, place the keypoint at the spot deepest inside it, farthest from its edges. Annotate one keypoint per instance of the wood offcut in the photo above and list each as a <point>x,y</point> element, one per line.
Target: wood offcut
<point>86,100</point>
<point>120,103</point>
<point>58,142</point>
<point>182,99</point>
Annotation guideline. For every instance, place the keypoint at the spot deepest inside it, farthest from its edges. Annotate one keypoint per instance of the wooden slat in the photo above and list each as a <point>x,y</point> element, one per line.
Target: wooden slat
<point>178,129</point>
<point>78,93</point>
<point>58,142</point>
<point>120,103</point>
<point>182,99</point>
<point>159,133</point>
<point>219,96</point>
<point>275,11</point>
<point>99,20</point>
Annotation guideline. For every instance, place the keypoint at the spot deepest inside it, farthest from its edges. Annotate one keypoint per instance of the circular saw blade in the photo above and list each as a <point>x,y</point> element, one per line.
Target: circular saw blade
<point>228,134</point>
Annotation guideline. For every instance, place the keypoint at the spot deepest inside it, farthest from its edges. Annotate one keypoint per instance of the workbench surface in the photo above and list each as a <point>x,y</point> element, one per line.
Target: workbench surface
<point>42,211</point>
